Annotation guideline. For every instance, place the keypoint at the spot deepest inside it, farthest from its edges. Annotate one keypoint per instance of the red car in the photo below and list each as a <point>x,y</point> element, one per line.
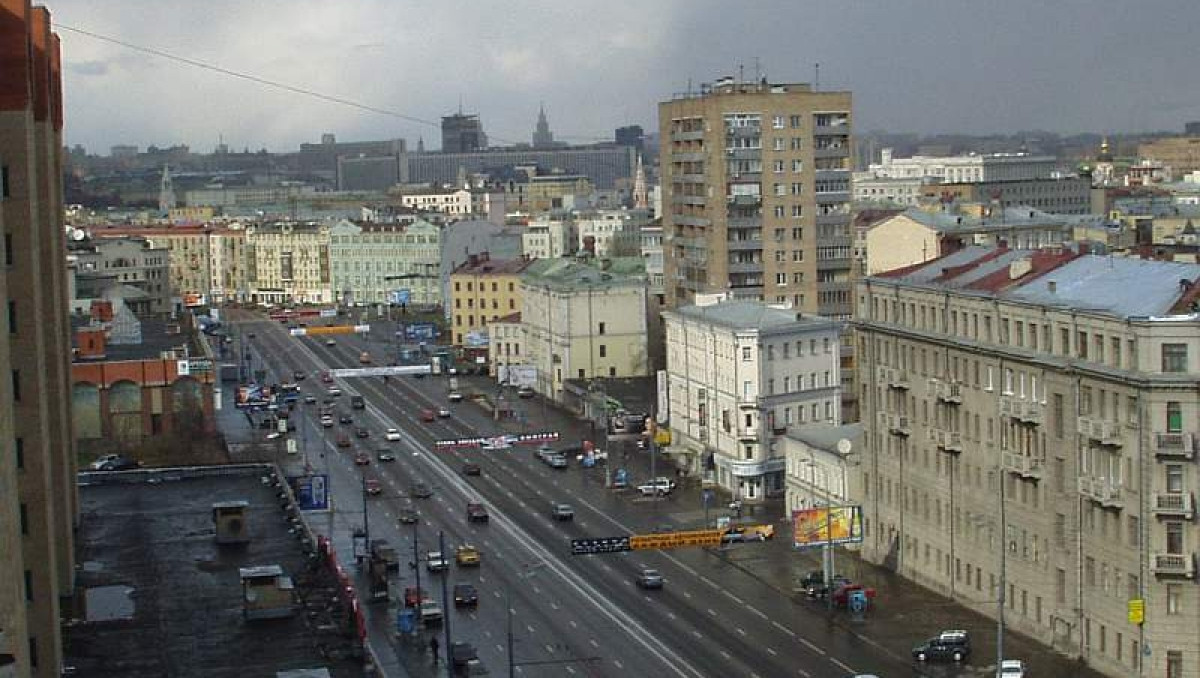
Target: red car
<point>362,459</point>
<point>428,415</point>
<point>373,486</point>
<point>343,440</point>
<point>412,596</point>
<point>326,378</point>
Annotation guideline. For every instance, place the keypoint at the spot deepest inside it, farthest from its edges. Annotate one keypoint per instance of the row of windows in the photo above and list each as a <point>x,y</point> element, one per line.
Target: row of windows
<point>512,303</point>
<point>495,286</point>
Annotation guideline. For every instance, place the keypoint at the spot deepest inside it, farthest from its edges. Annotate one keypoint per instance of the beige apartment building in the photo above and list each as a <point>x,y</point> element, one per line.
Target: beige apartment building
<point>583,321</point>
<point>756,195</point>
<point>482,290</point>
<point>288,263</point>
<point>1037,413</point>
<point>38,500</point>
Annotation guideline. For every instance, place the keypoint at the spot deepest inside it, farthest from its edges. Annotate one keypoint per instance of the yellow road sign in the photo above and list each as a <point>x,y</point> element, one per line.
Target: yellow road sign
<point>672,540</point>
<point>1137,611</point>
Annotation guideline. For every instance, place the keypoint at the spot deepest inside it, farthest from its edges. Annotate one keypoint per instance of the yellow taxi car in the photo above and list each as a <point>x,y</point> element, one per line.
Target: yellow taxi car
<point>466,556</point>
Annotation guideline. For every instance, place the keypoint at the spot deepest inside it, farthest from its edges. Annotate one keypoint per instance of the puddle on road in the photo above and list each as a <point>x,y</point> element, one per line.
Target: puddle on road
<point>109,603</point>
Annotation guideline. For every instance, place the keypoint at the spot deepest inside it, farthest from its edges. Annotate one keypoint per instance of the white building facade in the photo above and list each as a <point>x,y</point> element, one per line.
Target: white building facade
<point>964,168</point>
<point>383,263</point>
<point>739,374</point>
<point>288,263</point>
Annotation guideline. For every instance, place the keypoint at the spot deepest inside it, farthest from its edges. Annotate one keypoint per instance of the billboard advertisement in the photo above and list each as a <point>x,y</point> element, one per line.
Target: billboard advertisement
<point>312,492</point>
<point>193,299</point>
<point>253,395</point>
<point>826,525</point>
<point>517,375</point>
<point>420,332</point>
<point>399,297</point>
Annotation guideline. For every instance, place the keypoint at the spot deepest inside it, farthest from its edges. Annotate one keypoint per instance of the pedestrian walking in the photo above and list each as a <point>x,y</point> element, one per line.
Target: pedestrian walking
<point>433,647</point>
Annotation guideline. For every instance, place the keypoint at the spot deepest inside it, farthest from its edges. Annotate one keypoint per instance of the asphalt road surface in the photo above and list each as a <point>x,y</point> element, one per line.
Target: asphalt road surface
<point>570,615</point>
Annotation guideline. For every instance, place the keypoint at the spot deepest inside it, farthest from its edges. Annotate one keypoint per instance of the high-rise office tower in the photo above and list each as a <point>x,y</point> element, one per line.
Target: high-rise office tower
<point>756,194</point>
<point>462,133</point>
<point>38,503</point>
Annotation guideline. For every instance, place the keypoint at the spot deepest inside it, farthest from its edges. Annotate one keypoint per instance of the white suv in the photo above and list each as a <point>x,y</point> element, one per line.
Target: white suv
<point>660,485</point>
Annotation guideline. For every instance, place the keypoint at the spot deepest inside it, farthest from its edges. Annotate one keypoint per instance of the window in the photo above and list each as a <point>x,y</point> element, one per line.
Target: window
<point>745,354</point>
<point>1174,664</point>
<point>601,328</point>
<point>1174,603</point>
<point>12,317</point>
<point>1174,357</point>
<point>795,121</point>
<point>24,519</point>
<point>28,585</point>
<point>797,166</point>
<point>1174,417</point>
<point>603,351</point>
<point>777,122</point>
<point>16,385</point>
<point>20,445</point>
<point>1174,537</point>
<point>582,373</point>
<point>779,166</point>
<point>778,144</point>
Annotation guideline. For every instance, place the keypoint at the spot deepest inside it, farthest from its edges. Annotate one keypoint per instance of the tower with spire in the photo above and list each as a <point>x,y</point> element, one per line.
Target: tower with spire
<point>542,136</point>
<point>166,193</point>
<point>1104,173</point>
<point>641,200</point>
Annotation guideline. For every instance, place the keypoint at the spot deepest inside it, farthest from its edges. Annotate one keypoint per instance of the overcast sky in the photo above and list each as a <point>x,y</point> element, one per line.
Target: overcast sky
<point>913,65</point>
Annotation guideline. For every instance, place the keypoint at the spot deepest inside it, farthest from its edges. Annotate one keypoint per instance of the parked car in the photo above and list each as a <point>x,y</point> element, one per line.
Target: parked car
<point>99,463</point>
<point>436,562</point>
<point>476,513</point>
<point>466,556</point>
<point>649,579</point>
<point>471,469</point>
<point>465,595</point>
<point>119,463</point>
<point>525,392</point>
<point>659,486</point>
<point>560,511</point>
<point>946,646</point>
<point>430,612</point>
<point>392,435</point>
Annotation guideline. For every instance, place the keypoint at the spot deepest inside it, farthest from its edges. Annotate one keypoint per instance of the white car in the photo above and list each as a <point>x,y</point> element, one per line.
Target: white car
<point>436,562</point>
<point>660,486</point>
<point>99,463</point>
<point>334,391</point>
<point>392,434</point>
<point>331,342</point>
<point>1011,668</point>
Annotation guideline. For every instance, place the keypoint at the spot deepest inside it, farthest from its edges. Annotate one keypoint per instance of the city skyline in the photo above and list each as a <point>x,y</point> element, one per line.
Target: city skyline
<point>925,67</point>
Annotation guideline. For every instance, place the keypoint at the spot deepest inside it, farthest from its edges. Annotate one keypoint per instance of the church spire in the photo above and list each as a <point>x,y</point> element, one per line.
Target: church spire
<point>640,198</point>
<point>542,136</point>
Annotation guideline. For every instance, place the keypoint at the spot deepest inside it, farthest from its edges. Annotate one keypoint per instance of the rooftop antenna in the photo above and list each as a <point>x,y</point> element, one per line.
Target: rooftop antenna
<point>817,77</point>
<point>741,74</point>
<point>757,70</point>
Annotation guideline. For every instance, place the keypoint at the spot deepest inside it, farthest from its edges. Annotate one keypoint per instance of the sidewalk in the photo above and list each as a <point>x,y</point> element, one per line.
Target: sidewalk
<point>903,613</point>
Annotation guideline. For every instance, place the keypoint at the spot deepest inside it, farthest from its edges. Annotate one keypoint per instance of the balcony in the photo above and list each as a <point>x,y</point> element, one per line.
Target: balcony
<point>1175,445</point>
<point>745,267</point>
<point>1022,465</point>
<point>893,377</point>
<point>1025,411</point>
<point>948,441</point>
<point>1174,504</point>
<point>745,177</point>
<point>832,152</point>
<point>1101,430</point>
<point>689,156</point>
<point>744,153</point>
<point>898,424</point>
<point>1103,491</point>
<point>834,219</point>
<point>694,200</point>
<point>833,196</point>
<point>1173,565</point>
<point>688,178</point>
<point>743,245</point>
<point>693,135</point>
<point>947,391</point>
<point>744,200</point>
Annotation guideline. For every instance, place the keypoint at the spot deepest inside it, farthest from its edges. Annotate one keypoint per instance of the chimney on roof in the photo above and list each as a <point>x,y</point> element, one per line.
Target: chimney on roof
<point>485,256</point>
<point>473,259</point>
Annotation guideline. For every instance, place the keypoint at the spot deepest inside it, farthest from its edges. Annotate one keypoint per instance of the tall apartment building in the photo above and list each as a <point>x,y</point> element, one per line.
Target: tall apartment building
<point>756,195</point>
<point>739,373</point>
<point>1036,413</point>
<point>38,501</point>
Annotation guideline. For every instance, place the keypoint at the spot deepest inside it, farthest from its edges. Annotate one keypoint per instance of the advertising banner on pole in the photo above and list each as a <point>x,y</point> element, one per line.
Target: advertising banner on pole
<point>826,525</point>
<point>312,492</point>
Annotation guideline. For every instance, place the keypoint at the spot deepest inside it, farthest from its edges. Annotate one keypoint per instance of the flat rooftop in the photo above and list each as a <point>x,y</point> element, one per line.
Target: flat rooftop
<point>157,596</point>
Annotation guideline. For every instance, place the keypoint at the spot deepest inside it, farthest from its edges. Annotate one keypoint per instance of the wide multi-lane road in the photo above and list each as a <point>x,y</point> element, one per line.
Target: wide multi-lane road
<point>571,615</point>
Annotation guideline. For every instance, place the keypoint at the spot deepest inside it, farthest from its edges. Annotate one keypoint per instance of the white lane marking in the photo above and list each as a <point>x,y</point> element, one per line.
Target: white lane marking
<point>687,595</point>
<point>726,655</point>
<point>741,632</point>
<point>731,596</point>
<point>572,623</point>
<point>671,615</point>
<point>617,663</point>
<point>697,633</point>
<point>529,627</point>
<point>805,642</point>
<point>570,670</point>
<point>841,664</point>
<point>804,673</point>
<point>771,651</point>
<point>711,612</point>
<point>783,628</point>
<point>593,642</point>
<point>756,611</point>
<point>549,648</point>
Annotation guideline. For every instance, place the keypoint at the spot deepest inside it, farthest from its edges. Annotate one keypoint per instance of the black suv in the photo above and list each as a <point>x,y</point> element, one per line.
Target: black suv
<point>946,646</point>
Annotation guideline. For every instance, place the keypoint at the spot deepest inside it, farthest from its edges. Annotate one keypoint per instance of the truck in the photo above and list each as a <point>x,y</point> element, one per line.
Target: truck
<point>357,402</point>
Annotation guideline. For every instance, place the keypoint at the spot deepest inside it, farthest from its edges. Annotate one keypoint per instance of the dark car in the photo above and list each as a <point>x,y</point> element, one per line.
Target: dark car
<point>118,464</point>
<point>408,516</point>
<point>465,595</point>
<point>421,491</point>
<point>361,432</point>
<point>476,513</point>
<point>946,646</point>
<point>345,419</point>
<point>560,511</point>
<point>525,392</point>
<point>298,375</point>
<point>471,469</point>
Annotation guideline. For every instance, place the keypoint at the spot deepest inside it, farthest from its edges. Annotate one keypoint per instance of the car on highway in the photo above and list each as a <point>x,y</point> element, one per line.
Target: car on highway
<point>331,342</point>
<point>466,556</point>
<point>476,513</point>
<point>334,391</point>
<point>343,440</point>
<point>1011,668</point>
<point>525,392</point>
<point>561,511</point>
<point>660,486</point>
<point>327,421</point>
<point>421,491</point>
<point>465,595</point>
<point>543,450</point>
<point>362,458</point>
<point>297,375</point>
<point>430,612</point>
<point>435,561</point>
<point>454,397</point>
<point>309,399</point>
<point>326,378</point>
<point>471,469</point>
<point>392,435</point>
<point>408,516</point>
<point>364,358</point>
<point>428,415</point>
<point>362,432</point>
<point>946,646</point>
<point>385,455</point>
<point>556,460</point>
<point>649,578</point>
<point>288,387</point>
<point>373,486</point>
<point>443,412</point>
<point>345,419</point>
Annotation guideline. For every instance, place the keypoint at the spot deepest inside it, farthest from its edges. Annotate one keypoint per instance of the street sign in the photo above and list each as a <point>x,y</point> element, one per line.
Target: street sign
<point>671,540</point>
<point>312,492</point>
<point>584,547</point>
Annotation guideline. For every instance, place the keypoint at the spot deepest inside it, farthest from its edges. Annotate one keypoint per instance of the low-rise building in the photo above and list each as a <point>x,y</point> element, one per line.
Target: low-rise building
<point>869,188</point>
<point>584,320</point>
<point>611,233</point>
<point>506,358</point>
<point>288,263</point>
<point>550,237</point>
<point>1031,421</point>
<point>129,262</point>
<point>819,462</point>
<point>483,289</point>
<point>207,262</point>
<point>739,373</point>
<point>386,263</point>
<point>1054,194</point>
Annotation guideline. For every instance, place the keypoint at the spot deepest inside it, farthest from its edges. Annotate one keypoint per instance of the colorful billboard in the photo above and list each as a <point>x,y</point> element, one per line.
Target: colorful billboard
<point>826,525</point>
<point>253,395</point>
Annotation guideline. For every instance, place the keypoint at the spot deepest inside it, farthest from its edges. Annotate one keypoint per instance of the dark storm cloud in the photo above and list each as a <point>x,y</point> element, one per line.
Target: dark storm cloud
<point>916,65</point>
